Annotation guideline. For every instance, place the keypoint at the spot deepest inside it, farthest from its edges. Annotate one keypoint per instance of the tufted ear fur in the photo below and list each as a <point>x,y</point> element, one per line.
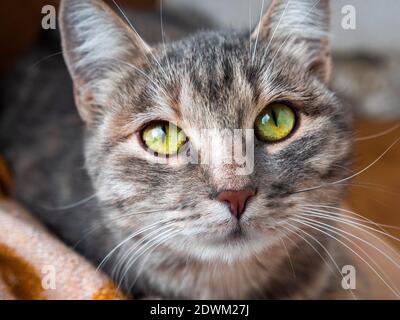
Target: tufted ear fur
<point>299,28</point>
<point>96,43</point>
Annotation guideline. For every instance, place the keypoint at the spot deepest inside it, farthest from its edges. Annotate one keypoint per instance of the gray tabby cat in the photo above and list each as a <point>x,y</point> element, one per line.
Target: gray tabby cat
<point>163,226</point>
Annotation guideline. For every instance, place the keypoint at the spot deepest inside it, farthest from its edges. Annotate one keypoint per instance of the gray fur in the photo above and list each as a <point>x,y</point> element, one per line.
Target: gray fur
<point>208,80</point>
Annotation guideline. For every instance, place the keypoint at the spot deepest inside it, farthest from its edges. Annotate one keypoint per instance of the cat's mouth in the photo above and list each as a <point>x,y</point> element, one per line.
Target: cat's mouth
<point>235,235</point>
<point>237,232</point>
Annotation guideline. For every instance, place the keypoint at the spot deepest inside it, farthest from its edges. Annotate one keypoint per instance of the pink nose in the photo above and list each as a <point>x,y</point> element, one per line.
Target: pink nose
<point>236,200</point>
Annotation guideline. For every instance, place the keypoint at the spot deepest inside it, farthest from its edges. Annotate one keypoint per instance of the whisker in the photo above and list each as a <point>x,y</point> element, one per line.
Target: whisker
<point>291,33</point>
<point>87,233</point>
<point>380,230</point>
<point>353,236</point>
<point>258,32</point>
<point>286,236</point>
<point>250,26</point>
<point>353,175</point>
<point>378,135</point>
<point>44,59</point>
<point>142,250</point>
<point>131,236</point>
<point>119,264</point>
<point>357,226</point>
<point>361,218</point>
<point>370,187</point>
<point>111,219</point>
<point>163,37</point>
<point>341,167</point>
<point>339,274</point>
<point>276,28</point>
<point>69,206</point>
<point>354,252</point>
<point>157,85</point>
<point>143,43</point>
<point>340,233</point>
<point>288,254</point>
<point>148,251</point>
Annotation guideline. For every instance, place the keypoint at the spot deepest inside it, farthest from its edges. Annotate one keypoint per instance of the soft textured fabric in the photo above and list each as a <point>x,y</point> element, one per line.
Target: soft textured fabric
<point>36,265</point>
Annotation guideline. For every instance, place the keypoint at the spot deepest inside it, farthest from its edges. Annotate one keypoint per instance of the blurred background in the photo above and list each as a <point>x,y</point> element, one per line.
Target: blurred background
<point>366,71</point>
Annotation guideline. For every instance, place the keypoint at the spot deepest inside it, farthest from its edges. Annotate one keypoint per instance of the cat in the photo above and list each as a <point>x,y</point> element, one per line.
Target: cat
<point>163,225</point>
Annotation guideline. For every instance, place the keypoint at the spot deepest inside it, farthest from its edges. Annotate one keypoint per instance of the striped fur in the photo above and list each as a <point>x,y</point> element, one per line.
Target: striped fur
<point>209,80</point>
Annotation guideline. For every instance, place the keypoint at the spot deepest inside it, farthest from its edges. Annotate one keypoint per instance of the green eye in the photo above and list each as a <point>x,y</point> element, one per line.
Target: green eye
<point>275,122</point>
<point>163,138</point>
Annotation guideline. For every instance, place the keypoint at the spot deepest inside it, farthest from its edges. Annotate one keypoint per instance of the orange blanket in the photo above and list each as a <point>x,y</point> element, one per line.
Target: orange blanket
<point>36,265</point>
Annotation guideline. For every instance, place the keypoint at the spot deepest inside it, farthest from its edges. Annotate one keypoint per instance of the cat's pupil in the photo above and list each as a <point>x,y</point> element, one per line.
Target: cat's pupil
<point>274,117</point>
<point>163,134</point>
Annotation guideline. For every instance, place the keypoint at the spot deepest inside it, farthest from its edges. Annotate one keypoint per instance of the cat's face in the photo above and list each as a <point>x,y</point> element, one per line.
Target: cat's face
<point>219,81</point>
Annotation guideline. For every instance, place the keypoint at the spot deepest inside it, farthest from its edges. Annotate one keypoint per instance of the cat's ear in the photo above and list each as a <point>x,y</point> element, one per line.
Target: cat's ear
<point>300,28</point>
<point>96,43</point>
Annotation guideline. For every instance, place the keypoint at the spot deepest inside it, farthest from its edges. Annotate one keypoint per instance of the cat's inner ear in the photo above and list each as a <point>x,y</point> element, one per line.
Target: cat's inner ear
<point>97,44</point>
<point>298,28</point>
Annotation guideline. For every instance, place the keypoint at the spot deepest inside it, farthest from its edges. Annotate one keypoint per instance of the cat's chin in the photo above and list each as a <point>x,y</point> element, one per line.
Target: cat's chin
<point>237,244</point>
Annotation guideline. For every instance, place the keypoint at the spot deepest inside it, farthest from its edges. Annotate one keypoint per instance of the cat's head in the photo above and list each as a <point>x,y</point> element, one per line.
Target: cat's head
<point>267,88</point>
